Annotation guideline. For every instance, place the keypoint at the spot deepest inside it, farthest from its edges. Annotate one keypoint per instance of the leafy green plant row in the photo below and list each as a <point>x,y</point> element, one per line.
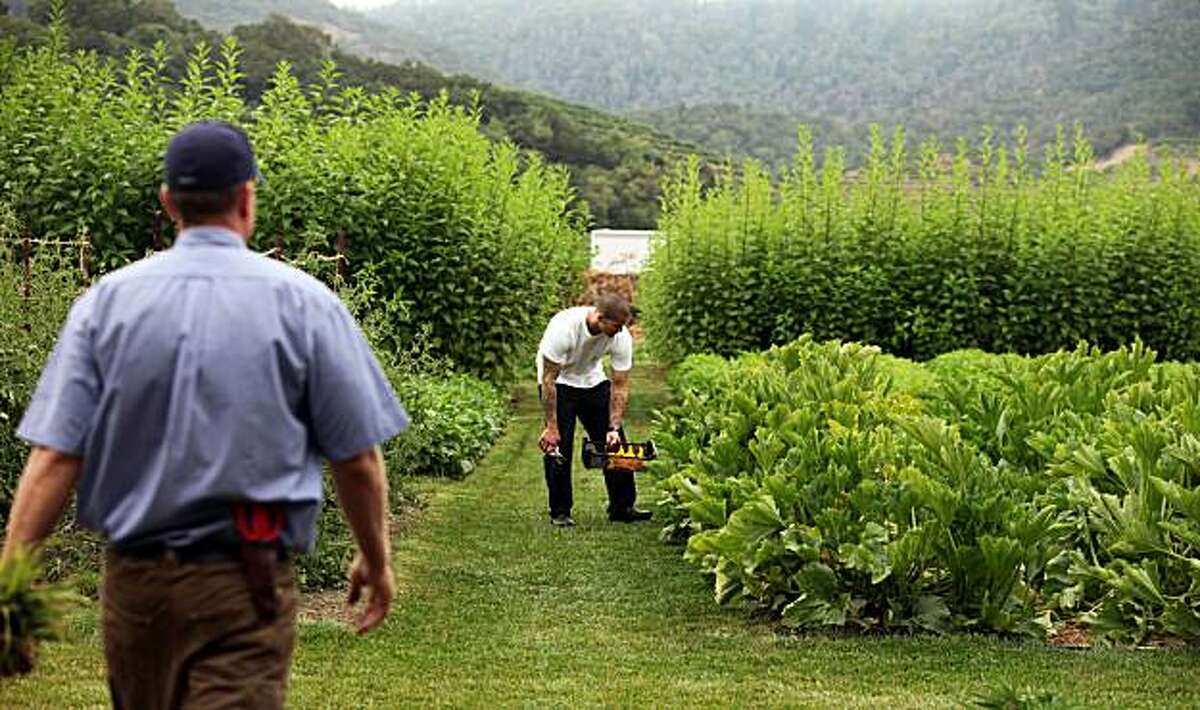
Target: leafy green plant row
<point>476,240</point>
<point>830,485</point>
<point>927,255</point>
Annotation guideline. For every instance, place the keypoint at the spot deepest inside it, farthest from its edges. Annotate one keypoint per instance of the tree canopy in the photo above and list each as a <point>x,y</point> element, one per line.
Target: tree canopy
<point>936,66</point>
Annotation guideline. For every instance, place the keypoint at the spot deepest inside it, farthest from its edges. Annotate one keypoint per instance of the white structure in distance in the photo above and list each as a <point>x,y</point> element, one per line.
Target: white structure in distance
<point>620,251</point>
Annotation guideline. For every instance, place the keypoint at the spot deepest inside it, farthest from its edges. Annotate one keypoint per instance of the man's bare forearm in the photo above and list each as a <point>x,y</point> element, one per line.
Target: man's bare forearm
<point>362,490</point>
<point>550,372</point>
<point>619,401</point>
<point>42,494</point>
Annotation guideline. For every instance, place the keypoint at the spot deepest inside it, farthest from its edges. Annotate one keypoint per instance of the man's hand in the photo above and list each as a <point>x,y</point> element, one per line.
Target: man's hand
<point>381,588</point>
<point>613,439</point>
<point>550,440</point>
<point>361,484</point>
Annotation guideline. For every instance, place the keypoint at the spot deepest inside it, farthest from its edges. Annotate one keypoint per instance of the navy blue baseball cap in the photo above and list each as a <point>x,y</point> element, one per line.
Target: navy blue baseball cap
<point>209,155</point>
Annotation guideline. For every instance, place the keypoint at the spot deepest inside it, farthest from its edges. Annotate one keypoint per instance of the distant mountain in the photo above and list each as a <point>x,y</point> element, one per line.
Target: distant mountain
<point>756,67</point>
<point>351,31</point>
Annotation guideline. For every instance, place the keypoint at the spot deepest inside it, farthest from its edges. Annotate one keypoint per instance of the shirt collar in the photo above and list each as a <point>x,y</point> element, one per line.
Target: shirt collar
<point>210,236</point>
<point>587,332</point>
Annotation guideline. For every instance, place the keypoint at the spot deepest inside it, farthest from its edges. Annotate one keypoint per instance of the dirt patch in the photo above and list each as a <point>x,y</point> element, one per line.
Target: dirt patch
<point>1125,153</point>
<point>1157,642</point>
<point>1118,156</point>
<point>1071,636</point>
<point>330,605</point>
<point>1078,636</point>
<point>325,606</point>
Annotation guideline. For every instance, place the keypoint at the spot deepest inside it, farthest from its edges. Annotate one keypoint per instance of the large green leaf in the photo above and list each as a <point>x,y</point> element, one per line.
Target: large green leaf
<point>752,522</point>
<point>870,554</point>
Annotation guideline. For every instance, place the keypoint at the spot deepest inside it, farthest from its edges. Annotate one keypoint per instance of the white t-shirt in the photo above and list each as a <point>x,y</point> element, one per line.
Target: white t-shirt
<point>568,343</point>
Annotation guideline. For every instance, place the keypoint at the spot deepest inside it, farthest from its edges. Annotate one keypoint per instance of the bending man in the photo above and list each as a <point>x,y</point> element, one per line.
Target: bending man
<point>572,384</point>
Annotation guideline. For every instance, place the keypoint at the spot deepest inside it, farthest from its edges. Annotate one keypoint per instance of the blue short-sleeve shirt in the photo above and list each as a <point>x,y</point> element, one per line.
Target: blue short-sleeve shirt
<point>202,376</point>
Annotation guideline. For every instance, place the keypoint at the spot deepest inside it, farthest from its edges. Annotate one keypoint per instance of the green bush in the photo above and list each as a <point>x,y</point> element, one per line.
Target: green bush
<point>927,256</point>
<point>454,417</point>
<point>1113,439</point>
<point>325,567</point>
<point>455,420</point>
<point>38,282</point>
<point>993,493</point>
<point>476,239</point>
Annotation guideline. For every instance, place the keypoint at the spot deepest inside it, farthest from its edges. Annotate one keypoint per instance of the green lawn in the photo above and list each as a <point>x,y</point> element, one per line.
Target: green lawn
<point>496,607</point>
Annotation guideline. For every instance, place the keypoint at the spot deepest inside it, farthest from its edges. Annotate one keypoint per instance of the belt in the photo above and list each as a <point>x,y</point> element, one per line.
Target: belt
<point>196,552</point>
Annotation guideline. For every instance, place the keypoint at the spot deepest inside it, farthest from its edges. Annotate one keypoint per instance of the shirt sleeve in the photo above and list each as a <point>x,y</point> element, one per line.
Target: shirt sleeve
<point>352,404</point>
<point>557,345</point>
<point>622,352</point>
<point>63,406</point>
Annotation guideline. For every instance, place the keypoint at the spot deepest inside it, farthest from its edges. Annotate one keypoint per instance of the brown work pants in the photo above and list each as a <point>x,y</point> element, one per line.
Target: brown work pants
<point>186,635</point>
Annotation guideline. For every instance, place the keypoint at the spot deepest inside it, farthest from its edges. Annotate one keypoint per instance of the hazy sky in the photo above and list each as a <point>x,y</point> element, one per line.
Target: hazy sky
<point>359,4</point>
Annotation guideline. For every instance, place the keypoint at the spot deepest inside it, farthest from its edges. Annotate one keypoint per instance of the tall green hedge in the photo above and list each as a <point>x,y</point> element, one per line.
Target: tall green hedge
<point>930,255</point>
<point>450,251</point>
<point>38,283</point>
<point>475,241</point>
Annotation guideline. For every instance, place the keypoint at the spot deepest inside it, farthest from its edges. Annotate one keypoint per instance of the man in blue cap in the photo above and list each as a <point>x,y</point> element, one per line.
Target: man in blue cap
<point>190,400</point>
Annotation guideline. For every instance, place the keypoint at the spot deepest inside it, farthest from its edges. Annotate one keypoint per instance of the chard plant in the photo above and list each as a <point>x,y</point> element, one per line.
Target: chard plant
<point>1004,494</point>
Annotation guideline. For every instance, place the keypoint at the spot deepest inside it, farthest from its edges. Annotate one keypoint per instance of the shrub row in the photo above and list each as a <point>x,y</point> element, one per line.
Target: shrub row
<point>927,256</point>
<point>475,240</point>
<point>831,486</point>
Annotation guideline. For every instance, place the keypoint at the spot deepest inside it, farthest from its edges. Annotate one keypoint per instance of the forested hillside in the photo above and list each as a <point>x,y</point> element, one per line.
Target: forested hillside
<point>615,164</point>
<point>352,32</point>
<point>742,72</point>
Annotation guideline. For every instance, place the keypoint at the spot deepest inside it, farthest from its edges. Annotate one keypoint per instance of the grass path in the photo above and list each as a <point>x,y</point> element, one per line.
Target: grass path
<point>496,607</point>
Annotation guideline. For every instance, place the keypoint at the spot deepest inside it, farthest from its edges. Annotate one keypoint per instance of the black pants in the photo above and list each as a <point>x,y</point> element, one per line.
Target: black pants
<point>591,407</point>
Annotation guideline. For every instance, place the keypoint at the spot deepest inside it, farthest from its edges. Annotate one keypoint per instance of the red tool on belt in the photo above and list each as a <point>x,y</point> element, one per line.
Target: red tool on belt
<point>259,523</point>
<point>259,526</point>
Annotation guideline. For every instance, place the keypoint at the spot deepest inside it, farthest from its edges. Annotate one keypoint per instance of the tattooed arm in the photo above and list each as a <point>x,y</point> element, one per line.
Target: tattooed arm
<point>550,438</point>
<point>620,400</point>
